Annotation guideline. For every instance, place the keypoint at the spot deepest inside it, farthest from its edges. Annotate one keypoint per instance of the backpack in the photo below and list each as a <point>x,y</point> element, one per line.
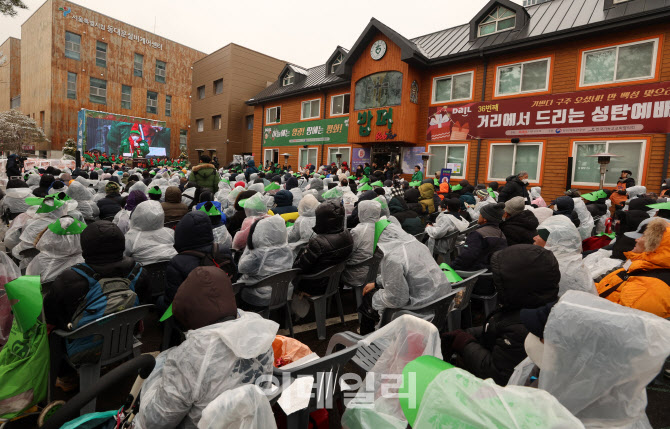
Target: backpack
<point>105,296</point>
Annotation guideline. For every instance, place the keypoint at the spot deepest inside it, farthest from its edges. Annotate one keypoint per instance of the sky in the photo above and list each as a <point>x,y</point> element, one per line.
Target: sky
<point>304,32</point>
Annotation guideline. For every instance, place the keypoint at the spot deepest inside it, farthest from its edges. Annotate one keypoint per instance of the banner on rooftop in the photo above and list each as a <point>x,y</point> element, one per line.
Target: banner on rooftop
<point>324,131</point>
<point>619,110</point>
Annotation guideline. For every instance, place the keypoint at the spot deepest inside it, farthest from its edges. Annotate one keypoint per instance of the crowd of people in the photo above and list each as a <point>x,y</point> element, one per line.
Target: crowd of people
<point>209,228</point>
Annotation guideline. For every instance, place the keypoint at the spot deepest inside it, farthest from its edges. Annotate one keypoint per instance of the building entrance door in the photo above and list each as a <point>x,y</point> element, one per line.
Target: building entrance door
<point>385,153</point>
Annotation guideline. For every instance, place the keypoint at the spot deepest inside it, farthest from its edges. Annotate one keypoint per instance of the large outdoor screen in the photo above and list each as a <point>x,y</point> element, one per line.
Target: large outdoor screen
<point>118,134</point>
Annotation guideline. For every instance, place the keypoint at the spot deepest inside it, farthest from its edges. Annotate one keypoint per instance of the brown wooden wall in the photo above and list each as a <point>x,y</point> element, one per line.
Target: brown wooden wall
<point>10,72</point>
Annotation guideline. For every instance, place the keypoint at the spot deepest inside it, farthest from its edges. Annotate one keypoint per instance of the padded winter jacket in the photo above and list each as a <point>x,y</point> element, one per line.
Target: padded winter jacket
<point>173,207</point>
<point>110,205</point>
<point>480,245</point>
<point>284,203</point>
<point>205,176</point>
<point>409,219</point>
<point>427,191</point>
<point>514,188</point>
<point>520,228</point>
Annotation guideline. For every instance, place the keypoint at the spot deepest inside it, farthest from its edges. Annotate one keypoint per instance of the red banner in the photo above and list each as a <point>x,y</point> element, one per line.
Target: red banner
<point>621,110</point>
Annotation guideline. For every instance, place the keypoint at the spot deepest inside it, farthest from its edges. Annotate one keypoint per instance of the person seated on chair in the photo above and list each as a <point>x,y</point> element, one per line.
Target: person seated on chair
<point>173,208</point>
<point>519,225</point>
<point>446,223</point>
<point>363,236</point>
<point>110,205</point>
<point>225,348</point>
<point>482,199</point>
<point>267,253</point>
<point>284,203</point>
<point>148,241</point>
<point>409,220</point>
<point>496,348</point>
<point>331,245</point>
<point>409,275</point>
<point>102,245</point>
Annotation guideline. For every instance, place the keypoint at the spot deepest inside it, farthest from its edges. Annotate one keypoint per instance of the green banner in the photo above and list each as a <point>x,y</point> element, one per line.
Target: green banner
<point>325,131</point>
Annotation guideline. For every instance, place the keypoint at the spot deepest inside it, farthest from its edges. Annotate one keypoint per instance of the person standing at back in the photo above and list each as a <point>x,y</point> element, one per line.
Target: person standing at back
<point>516,186</point>
<point>205,174</point>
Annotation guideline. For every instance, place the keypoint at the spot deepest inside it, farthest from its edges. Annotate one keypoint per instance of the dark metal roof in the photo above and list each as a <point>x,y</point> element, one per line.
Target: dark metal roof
<point>546,22</point>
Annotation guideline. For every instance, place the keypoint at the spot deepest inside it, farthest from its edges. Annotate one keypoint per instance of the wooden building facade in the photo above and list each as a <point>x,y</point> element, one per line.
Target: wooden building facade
<point>10,73</point>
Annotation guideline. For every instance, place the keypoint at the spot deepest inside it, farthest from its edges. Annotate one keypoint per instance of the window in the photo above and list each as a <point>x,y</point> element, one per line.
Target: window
<point>308,156</point>
<point>168,105</point>
<point>621,63</point>
<point>200,123</point>
<point>160,71</point>
<point>42,118</point>
<point>586,171</point>
<point>72,85</point>
<point>218,86</point>
<point>152,102</point>
<point>345,151</point>
<point>250,122</point>
<point>288,79</point>
<point>216,122</point>
<point>267,156</point>
<point>378,90</point>
<point>138,64</point>
<point>100,54</point>
<point>201,92</point>
<point>126,96</point>
<point>501,19</point>
<point>452,156</point>
<point>521,78</point>
<point>98,92</point>
<point>339,104</point>
<point>336,62</point>
<point>507,159</point>
<point>273,115</point>
<point>183,140</point>
<point>72,45</point>
<point>310,109</point>
<point>453,87</point>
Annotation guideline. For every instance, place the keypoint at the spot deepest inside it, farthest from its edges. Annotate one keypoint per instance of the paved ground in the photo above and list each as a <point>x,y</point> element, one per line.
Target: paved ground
<point>658,392</point>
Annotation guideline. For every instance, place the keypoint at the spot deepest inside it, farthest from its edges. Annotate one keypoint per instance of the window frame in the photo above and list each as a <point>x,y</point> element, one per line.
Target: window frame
<point>157,71</point>
<point>332,103</point>
<point>130,97</point>
<point>302,110</point>
<point>199,122</point>
<point>347,160</point>
<point>265,155</point>
<point>546,90</point>
<point>288,79</point>
<point>267,115</point>
<point>90,87</point>
<point>253,119</point>
<point>150,105</point>
<point>214,86</point>
<point>214,117</point>
<point>433,101</point>
<point>168,105</point>
<point>644,157</point>
<point>300,150</point>
<point>658,43</point>
<point>98,43</point>
<point>78,51</point>
<point>446,158</point>
<point>336,62</point>
<point>540,157</point>
<point>68,91</point>
<point>135,63</point>
<point>496,20</point>
<point>197,90</point>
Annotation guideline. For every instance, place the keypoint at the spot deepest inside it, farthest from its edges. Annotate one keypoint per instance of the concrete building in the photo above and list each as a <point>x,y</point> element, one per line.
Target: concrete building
<point>74,58</point>
<point>222,82</point>
<point>10,74</point>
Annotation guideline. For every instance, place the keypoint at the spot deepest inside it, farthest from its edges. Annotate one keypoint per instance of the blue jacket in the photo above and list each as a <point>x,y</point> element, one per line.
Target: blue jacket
<point>251,169</point>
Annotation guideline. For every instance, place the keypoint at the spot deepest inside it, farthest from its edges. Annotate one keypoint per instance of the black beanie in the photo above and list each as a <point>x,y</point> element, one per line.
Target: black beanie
<point>493,213</point>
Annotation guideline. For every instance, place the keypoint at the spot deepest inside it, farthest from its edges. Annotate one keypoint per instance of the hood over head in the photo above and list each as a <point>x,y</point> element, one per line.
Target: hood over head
<point>564,237</point>
<point>270,232</point>
<point>291,183</point>
<point>369,211</point>
<point>79,192</point>
<point>412,196</point>
<point>206,297</point>
<point>283,198</point>
<point>147,216</point>
<point>46,180</point>
<point>565,204</point>
<point>258,187</point>
<point>102,242</point>
<point>307,206</point>
<point>535,192</point>
<point>172,195</point>
<point>316,184</point>
<point>427,190</point>
<point>255,205</point>
<point>329,218</point>
<point>194,230</point>
<point>139,186</point>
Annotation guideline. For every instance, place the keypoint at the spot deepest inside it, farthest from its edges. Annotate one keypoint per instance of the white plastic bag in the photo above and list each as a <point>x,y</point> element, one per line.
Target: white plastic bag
<point>245,407</point>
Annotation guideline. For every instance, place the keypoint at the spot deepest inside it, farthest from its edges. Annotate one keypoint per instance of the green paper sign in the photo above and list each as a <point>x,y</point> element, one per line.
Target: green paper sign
<point>450,274</point>
<point>378,183</point>
<point>166,315</point>
<point>272,186</point>
<point>25,297</point>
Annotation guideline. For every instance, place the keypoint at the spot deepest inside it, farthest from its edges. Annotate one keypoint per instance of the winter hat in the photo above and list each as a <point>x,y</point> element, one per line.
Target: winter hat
<point>482,193</point>
<point>493,213</point>
<point>543,233</point>
<point>102,242</point>
<point>155,193</point>
<point>534,319</point>
<point>112,187</point>
<point>514,205</point>
<point>134,198</point>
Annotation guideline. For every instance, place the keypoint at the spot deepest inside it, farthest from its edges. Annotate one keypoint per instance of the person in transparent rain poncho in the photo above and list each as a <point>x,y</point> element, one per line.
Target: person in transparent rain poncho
<point>364,243</point>
<point>245,407</point>
<point>446,223</point>
<point>122,218</point>
<point>84,199</point>
<point>560,235</point>
<point>100,194</point>
<point>221,235</point>
<point>59,247</point>
<point>15,197</point>
<point>147,241</point>
<point>254,209</point>
<point>586,223</point>
<point>267,253</point>
<point>315,188</point>
<point>302,231</point>
<point>598,358</point>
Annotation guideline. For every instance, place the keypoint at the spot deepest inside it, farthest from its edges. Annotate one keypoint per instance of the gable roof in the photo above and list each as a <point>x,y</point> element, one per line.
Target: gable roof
<point>339,50</point>
<point>520,11</point>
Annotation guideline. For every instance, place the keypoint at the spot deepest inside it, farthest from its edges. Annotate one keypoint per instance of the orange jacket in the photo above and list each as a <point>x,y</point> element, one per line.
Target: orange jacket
<point>643,293</point>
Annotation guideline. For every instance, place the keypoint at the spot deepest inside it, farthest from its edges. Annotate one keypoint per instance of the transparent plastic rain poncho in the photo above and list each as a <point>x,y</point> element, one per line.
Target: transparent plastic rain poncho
<point>32,229</point>
<point>86,183</point>
<point>316,188</point>
<point>232,196</point>
<point>541,213</point>
<point>332,194</point>
<point>187,196</point>
<point>636,191</point>
<point>601,262</point>
<point>241,178</point>
<point>139,186</point>
<point>456,398</point>
<point>15,200</point>
<point>255,209</point>
<point>101,190</point>
<point>84,199</point>
<point>302,231</point>
<point>222,194</point>
<point>147,241</point>
<point>212,360</point>
<point>385,212</point>
<point>57,253</point>
<point>599,358</point>
<point>402,341</point>
<point>245,407</point>
<point>252,177</point>
<point>586,223</point>
<point>566,244</point>
<point>297,195</point>
<point>222,237</point>
<point>271,255</point>
<point>364,242</point>
<point>474,211</point>
<point>33,180</point>
<point>8,272</point>
<point>409,274</point>
<point>13,233</point>
<point>444,225</point>
<point>122,220</point>
<point>326,182</point>
<point>258,187</point>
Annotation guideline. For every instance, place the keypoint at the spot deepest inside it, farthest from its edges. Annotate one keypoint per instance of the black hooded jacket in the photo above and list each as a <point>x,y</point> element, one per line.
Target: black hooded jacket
<point>43,189</point>
<point>412,196</point>
<point>284,203</point>
<point>520,228</point>
<point>514,188</point>
<point>566,206</point>
<point>628,222</point>
<point>499,345</point>
<point>409,220</point>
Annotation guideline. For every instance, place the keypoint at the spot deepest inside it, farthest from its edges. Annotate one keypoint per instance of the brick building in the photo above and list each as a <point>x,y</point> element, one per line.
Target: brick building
<point>536,88</point>
<point>10,74</point>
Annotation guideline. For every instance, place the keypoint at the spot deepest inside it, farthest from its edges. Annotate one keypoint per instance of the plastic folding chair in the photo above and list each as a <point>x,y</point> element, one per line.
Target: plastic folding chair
<point>420,236</point>
<point>365,357</point>
<point>467,285</point>
<point>451,239</point>
<point>172,334</point>
<point>157,278</point>
<point>373,268</point>
<point>435,312</point>
<point>326,372</point>
<point>320,302</point>
<point>489,301</point>
<point>279,299</point>
<point>116,332</point>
